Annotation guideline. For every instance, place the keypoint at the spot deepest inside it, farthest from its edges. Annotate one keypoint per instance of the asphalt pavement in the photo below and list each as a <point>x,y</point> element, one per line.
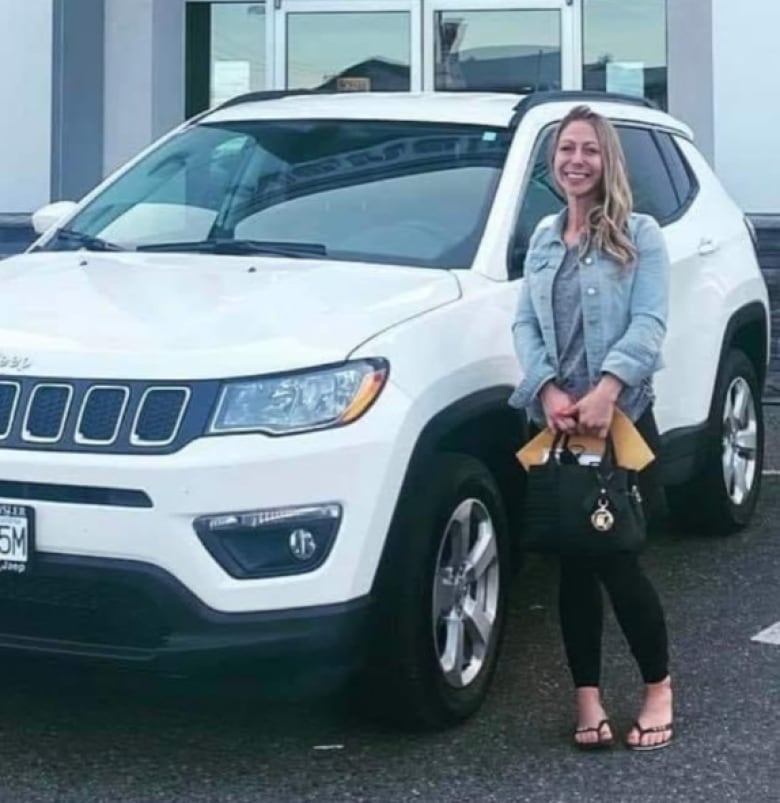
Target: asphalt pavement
<point>772,445</point>
<point>67,736</point>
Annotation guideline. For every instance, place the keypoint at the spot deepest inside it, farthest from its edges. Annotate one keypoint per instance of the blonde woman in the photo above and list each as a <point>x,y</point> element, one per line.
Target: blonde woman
<point>590,323</point>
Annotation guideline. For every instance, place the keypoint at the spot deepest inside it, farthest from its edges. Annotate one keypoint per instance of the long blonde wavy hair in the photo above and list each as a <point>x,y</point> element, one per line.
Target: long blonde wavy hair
<point>607,225</point>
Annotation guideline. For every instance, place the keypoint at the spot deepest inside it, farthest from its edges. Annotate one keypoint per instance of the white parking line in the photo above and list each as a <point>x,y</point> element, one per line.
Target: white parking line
<point>769,636</point>
<point>771,472</point>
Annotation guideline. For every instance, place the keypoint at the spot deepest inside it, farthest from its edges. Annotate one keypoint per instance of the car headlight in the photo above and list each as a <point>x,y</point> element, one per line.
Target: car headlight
<point>287,403</point>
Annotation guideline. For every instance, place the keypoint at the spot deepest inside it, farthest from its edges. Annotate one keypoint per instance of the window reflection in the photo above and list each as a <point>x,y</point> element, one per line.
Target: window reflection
<point>225,52</point>
<point>238,61</point>
<point>349,51</point>
<point>517,50</point>
<point>625,47</point>
<point>364,191</point>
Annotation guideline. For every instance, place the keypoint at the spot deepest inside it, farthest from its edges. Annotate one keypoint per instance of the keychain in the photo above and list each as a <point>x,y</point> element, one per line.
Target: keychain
<point>602,518</point>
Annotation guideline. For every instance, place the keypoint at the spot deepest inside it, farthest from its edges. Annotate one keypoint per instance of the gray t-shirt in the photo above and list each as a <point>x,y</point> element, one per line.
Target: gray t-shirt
<point>569,334</point>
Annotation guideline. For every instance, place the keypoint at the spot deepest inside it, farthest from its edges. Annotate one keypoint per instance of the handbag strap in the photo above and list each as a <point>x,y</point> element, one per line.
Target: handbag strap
<point>608,459</point>
<point>560,442</point>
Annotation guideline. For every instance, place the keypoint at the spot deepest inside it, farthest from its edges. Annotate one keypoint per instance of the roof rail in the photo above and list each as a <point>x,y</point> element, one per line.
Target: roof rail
<point>584,95</point>
<point>535,99</point>
<point>271,94</point>
<point>529,102</point>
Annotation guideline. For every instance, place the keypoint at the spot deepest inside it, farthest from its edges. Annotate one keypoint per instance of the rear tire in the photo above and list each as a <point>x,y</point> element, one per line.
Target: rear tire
<point>722,497</point>
<point>441,597</point>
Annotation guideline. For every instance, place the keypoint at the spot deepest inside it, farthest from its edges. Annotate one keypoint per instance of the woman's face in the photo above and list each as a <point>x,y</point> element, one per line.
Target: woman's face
<point>577,162</point>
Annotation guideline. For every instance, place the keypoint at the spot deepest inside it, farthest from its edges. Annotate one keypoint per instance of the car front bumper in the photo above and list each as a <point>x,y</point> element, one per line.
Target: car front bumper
<point>138,615</point>
<point>142,509</point>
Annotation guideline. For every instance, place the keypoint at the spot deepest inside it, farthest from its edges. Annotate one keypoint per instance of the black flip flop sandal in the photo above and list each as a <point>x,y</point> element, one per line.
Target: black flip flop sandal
<point>645,748</point>
<point>600,743</point>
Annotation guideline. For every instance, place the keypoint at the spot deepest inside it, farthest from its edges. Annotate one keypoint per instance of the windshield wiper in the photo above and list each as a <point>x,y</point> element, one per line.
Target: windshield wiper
<point>87,241</point>
<point>243,248</point>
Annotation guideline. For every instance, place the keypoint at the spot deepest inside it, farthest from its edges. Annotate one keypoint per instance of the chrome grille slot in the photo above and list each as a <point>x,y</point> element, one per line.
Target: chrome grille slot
<point>101,414</point>
<point>47,410</point>
<point>9,399</point>
<point>113,416</point>
<point>159,416</point>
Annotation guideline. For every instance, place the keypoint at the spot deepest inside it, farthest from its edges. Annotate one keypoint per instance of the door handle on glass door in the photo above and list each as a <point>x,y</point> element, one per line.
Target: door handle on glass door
<point>707,246</point>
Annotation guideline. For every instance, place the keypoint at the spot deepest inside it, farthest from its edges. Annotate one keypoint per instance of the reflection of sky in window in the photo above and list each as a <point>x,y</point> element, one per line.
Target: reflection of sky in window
<point>322,45</point>
<point>238,34</point>
<point>409,217</point>
<point>506,28</point>
<point>499,49</point>
<point>627,31</point>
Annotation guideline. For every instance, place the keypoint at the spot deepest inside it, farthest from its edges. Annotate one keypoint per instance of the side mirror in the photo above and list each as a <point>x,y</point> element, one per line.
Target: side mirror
<point>51,214</point>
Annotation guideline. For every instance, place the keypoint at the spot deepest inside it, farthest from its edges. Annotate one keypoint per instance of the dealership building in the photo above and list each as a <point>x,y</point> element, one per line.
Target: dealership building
<point>88,83</point>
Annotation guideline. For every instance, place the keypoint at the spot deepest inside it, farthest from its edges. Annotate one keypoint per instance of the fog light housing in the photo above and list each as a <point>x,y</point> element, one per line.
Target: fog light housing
<point>273,542</point>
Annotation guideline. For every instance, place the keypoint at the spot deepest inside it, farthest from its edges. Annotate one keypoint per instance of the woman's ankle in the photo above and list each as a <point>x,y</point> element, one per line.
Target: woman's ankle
<point>660,686</point>
<point>588,692</point>
<point>590,708</point>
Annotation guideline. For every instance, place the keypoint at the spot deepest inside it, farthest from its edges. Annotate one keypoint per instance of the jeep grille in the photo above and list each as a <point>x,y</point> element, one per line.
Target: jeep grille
<point>86,415</point>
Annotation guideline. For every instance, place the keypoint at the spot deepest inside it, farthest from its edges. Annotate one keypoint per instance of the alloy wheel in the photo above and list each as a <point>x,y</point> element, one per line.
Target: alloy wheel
<point>740,440</point>
<point>465,592</point>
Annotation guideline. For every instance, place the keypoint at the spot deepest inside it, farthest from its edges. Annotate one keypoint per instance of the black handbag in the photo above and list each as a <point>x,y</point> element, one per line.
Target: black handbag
<point>572,507</point>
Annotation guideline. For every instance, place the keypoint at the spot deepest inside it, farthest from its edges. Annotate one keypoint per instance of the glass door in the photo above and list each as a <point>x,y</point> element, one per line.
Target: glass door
<point>227,46</point>
<point>348,45</point>
<point>501,45</point>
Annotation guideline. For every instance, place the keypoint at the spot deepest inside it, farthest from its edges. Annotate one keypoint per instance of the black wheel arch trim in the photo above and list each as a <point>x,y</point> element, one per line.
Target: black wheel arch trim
<point>487,401</point>
<point>492,400</point>
<point>751,313</point>
<point>684,448</point>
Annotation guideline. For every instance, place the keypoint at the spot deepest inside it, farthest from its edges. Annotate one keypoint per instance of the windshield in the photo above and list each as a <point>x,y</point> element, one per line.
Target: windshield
<point>388,192</point>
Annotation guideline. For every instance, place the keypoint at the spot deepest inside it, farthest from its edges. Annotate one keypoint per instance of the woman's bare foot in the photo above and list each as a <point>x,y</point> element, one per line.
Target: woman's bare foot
<point>592,725</point>
<point>655,718</point>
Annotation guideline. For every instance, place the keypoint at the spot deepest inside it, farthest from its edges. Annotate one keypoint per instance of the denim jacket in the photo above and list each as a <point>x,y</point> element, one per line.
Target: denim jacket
<point>624,313</point>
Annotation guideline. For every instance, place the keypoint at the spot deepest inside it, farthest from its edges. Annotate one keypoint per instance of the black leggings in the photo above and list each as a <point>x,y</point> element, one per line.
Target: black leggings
<point>635,601</point>
<point>637,608</point>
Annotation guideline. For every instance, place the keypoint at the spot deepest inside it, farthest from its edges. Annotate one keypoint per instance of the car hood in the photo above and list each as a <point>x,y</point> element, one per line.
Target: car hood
<point>157,316</point>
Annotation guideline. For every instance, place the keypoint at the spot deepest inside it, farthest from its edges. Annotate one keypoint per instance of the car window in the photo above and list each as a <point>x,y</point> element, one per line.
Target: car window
<point>175,197</point>
<point>542,196</point>
<point>681,173</point>
<point>651,183</point>
<point>390,192</point>
<point>652,187</point>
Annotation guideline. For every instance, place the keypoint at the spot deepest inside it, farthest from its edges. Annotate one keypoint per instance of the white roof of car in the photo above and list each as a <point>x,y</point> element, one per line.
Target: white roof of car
<point>494,109</point>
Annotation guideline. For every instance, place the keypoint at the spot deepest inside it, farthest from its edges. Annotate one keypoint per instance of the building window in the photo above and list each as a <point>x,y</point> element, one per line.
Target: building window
<point>349,51</point>
<point>624,47</point>
<point>225,52</point>
<point>516,50</point>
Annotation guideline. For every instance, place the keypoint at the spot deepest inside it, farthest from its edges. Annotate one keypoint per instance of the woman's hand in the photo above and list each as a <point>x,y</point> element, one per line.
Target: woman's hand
<point>558,409</point>
<point>595,410</point>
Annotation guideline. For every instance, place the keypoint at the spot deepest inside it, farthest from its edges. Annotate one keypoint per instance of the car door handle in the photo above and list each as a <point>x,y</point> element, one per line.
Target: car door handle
<point>707,246</point>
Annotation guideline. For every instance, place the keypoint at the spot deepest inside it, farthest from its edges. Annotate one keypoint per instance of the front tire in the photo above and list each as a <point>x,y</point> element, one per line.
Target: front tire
<point>722,497</point>
<point>441,596</point>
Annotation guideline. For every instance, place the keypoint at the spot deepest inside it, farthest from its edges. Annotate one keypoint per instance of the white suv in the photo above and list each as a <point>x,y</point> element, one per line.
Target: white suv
<point>253,390</point>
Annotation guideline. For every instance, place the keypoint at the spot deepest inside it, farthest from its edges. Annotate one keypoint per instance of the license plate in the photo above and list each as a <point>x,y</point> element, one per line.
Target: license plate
<point>17,537</point>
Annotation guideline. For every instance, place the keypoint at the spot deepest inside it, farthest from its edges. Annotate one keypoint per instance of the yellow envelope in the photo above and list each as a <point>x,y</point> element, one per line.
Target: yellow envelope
<point>631,451</point>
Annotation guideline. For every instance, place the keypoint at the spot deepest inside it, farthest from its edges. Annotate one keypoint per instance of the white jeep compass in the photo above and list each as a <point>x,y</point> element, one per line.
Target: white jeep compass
<point>253,388</point>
